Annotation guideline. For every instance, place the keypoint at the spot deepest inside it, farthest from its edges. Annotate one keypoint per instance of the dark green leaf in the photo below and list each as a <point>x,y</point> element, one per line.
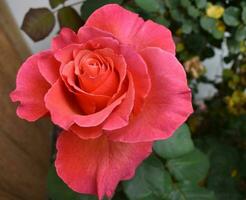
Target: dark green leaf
<point>233,45</point>
<point>151,181</point>
<point>220,178</point>
<point>193,12</point>
<point>189,191</point>
<point>185,3</point>
<point>187,27</point>
<point>150,5</point>
<point>177,145</point>
<point>244,15</point>
<point>240,33</point>
<point>225,187</point>
<point>208,24</point>
<point>89,6</point>
<point>207,52</point>
<point>231,16</point>
<point>198,42</point>
<point>218,34</point>
<point>192,166</point>
<point>163,21</point>
<point>172,3</point>
<point>55,3</point>
<point>176,15</point>
<point>68,17</point>
<point>38,23</point>
<point>87,197</point>
<point>201,3</point>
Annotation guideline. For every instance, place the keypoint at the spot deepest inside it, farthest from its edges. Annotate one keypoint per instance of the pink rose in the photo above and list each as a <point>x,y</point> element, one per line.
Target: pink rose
<point>114,88</point>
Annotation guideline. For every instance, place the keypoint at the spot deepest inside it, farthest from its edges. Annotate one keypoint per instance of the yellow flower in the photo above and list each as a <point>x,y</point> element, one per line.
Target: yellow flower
<point>214,11</point>
<point>236,103</point>
<point>242,46</point>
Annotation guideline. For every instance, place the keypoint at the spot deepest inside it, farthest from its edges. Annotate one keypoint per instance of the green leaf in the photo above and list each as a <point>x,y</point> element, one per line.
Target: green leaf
<point>218,34</point>
<point>185,3</point>
<point>151,181</point>
<point>176,15</point>
<point>244,15</point>
<point>189,191</point>
<point>231,16</point>
<point>208,24</point>
<point>38,23</point>
<point>58,190</point>
<point>192,166</point>
<point>187,26</point>
<point>193,12</point>
<point>201,3</point>
<point>89,6</point>
<point>172,3</point>
<point>163,21</point>
<point>55,3</point>
<point>177,145</point>
<point>233,45</point>
<point>220,177</point>
<point>68,17</point>
<point>87,197</point>
<point>198,42</point>
<point>150,5</point>
<point>240,33</point>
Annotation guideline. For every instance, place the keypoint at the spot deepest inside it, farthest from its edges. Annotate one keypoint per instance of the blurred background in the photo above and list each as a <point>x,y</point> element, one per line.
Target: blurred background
<point>210,39</point>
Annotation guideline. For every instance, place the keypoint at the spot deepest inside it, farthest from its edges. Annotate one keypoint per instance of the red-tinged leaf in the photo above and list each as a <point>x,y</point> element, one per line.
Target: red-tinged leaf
<point>38,23</point>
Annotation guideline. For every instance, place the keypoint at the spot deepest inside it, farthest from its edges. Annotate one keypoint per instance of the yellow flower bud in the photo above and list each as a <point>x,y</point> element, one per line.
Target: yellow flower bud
<point>234,173</point>
<point>214,11</point>
<point>180,47</point>
<point>220,26</point>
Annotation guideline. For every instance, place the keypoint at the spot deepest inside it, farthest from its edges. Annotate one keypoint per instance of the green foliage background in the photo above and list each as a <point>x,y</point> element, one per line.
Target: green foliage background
<point>205,159</point>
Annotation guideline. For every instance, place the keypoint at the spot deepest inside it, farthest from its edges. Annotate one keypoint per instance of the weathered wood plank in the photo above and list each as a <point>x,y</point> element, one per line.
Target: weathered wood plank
<point>25,147</point>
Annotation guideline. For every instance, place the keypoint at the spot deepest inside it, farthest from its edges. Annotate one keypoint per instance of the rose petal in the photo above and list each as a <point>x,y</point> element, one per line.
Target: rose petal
<point>139,70</point>
<point>48,66</point>
<point>113,19</point>
<point>89,33</point>
<point>65,112</point>
<point>168,104</point>
<point>65,54</point>
<point>87,101</point>
<point>64,38</point>
<point>154,35</point>
<point>30,90</point>
<point>120,116</point>
<point>131,29</point>
<point>96,166</point>
<point>87,133</point>
<point>103,42</point>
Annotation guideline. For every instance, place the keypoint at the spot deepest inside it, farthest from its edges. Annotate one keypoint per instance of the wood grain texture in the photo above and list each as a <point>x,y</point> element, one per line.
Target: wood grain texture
<point>24,147</point>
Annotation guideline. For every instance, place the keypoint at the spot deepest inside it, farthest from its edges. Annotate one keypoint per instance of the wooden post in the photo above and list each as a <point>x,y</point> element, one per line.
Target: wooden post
<point>24,147</point>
